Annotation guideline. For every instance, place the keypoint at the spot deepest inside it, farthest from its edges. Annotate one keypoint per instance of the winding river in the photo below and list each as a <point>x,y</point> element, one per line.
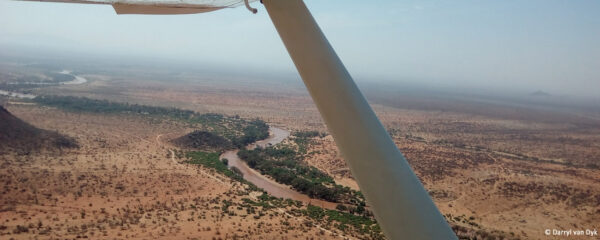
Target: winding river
<point>269,185</point>
<point>76,80</point>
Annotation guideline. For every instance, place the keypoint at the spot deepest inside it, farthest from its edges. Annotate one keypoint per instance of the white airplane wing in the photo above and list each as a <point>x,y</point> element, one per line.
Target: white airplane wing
<point>159,6</point>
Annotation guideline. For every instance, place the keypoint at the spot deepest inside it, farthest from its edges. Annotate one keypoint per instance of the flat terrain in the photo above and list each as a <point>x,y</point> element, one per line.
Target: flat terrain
<point>493,168</point>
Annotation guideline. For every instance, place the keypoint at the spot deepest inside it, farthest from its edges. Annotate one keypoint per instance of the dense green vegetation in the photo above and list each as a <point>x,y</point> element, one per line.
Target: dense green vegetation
<point>363,224</point>
<point>326,218</point>
<point>211,160</point>
<point>267,202</point>
<point>285,165</point>
<point>303,139</point>
<point>254,131</point>
<point>308,134</point>
<point>238,132</point>
<point>83,104</point>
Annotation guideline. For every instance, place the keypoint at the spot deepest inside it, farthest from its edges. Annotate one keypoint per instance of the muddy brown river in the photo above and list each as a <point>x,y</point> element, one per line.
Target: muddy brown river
<point>269,185</point>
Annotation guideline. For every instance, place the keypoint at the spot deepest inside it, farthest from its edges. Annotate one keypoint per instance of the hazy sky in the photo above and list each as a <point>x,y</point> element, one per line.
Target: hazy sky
<point>528,45</point>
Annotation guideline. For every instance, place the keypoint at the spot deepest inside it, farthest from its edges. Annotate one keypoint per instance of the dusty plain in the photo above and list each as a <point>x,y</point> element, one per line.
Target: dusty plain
<point>495,169</point>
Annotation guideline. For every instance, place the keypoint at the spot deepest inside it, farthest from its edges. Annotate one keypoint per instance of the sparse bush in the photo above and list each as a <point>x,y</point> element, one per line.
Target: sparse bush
<point>20,229</point>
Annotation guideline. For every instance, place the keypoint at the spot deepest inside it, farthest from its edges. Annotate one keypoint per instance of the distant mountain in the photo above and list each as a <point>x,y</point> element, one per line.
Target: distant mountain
<point>540,93</point>
<point>19,136</point>
<point>202,140</point>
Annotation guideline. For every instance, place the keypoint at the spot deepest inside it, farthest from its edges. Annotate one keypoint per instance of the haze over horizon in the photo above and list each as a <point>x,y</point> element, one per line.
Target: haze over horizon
<point>552,46</point>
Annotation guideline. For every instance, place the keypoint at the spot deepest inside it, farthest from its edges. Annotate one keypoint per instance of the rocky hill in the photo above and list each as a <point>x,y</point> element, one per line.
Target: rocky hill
<point>202,140</point>
<point>19,136</point>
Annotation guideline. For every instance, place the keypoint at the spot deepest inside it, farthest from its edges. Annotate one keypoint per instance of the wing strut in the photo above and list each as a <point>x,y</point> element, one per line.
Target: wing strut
<point>399,201</point>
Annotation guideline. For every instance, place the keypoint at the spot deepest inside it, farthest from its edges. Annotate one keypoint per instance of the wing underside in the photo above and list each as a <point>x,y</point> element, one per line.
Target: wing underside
<point>158,6</point>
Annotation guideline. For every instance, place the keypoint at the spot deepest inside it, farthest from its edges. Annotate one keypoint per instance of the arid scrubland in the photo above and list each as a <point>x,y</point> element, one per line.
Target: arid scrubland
<point>494,171</point>
<point>124,183</point>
